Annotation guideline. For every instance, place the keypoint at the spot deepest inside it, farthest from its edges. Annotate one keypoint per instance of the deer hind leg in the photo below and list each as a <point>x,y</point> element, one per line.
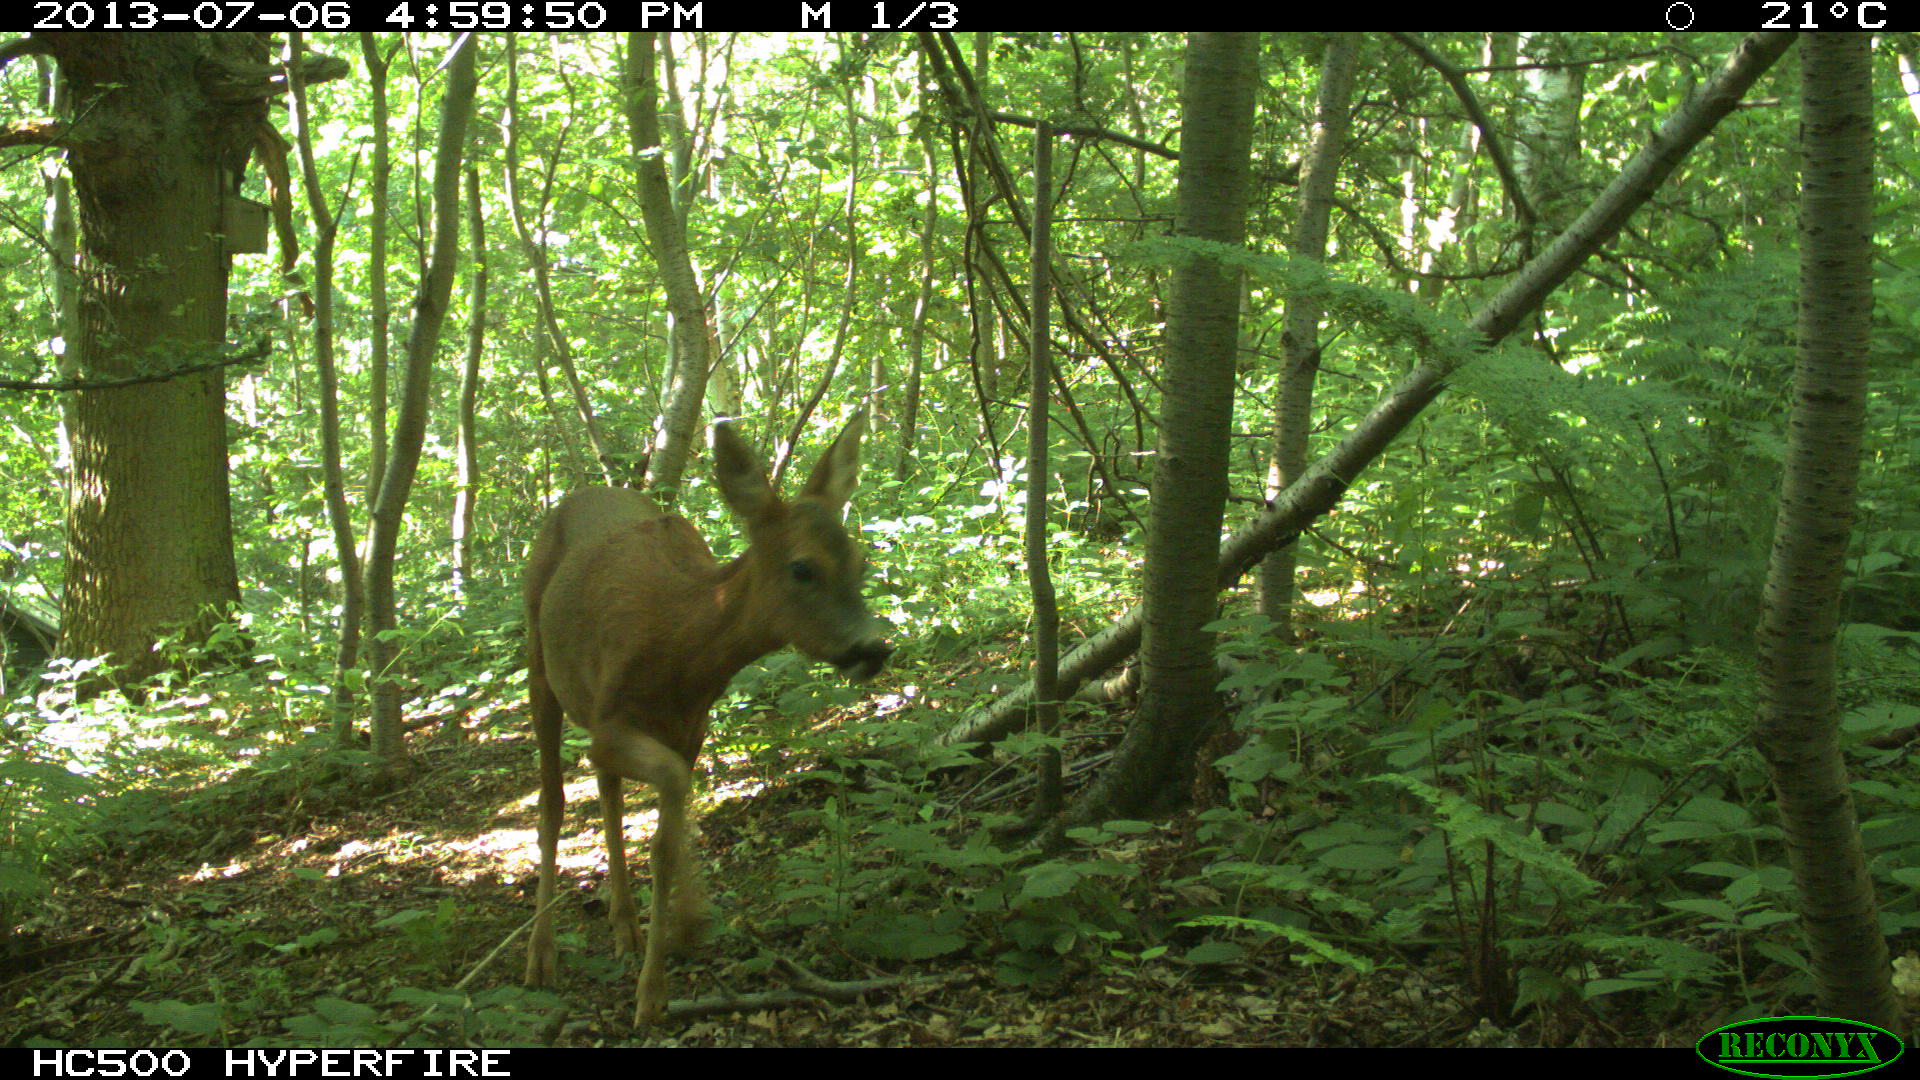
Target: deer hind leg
<point>690,913</point>
<point>619,752</point>
<point>620,908</point>
<point>547,721</point>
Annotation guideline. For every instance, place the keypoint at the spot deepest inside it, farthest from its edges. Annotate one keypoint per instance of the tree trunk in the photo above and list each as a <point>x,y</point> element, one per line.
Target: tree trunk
<point>410,421</point>
<point>917,327</point>
<point>466,462</point>
<point>1546,140</point>
<point>61,246</point>
<point>150,535</point>
<point>534,245</point>
<point>1046,610</point>
<point>1798,726</point>
<point>1153,769</point>
<point>850,280</point>
<point>380,315</point>
<point>984,315</point>
<point>1300,335</point>
<point>576,464</point>
<point>689,359</point>
<point>353,599</point>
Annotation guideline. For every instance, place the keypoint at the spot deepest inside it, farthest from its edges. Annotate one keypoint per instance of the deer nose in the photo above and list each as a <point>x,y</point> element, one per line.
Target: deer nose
<point>864,661</point>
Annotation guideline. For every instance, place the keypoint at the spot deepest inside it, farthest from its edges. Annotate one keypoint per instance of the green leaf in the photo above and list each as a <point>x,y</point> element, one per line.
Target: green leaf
<point>1215,952</point>
<point>1048,880</point>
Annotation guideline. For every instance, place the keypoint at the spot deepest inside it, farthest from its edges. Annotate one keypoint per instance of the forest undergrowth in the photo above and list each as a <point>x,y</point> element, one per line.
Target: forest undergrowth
<point>1456,834</point>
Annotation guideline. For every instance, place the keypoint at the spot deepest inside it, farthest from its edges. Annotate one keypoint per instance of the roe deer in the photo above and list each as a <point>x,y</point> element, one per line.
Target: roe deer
<point>633,630</point>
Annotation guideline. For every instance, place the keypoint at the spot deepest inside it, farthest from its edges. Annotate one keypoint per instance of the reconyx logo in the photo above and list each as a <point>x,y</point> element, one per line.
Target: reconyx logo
<point>1800,1047</point>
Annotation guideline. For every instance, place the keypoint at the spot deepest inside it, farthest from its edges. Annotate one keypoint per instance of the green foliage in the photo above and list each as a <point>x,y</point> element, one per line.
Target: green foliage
<point>429,935</point>
<point>1429,336</point>
<point>40,809</point>
<point>1479,838</point>
<point>1543,824</point>
<point>890,850</point>
<point>504,1016</point>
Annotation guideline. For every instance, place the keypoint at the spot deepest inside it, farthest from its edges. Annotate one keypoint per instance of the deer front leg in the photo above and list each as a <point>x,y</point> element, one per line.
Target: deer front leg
<point>541,961</point>
<point>622,751</point>
<point>666,930</point>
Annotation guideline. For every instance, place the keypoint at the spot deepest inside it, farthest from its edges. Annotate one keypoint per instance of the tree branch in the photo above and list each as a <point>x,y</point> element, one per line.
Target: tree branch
<point>227,81</point>
<point>1086,131</point>
<point>1496,146</point>
<point>19,47</point>
<point>38,131</point>
<point>258,352</point>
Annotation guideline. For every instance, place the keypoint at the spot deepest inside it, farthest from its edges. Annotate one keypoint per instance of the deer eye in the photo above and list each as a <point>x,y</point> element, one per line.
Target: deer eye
<point>802,571</point>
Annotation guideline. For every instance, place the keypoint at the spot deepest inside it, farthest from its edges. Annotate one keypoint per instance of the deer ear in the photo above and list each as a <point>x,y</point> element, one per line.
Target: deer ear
<point>743,480</point>
<point>839,469</point>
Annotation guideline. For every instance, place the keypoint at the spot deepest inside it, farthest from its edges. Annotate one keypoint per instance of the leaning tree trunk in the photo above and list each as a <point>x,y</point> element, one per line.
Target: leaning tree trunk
<point>1154,766</point>
<point>1323,484</point>
<point>1798,727</point>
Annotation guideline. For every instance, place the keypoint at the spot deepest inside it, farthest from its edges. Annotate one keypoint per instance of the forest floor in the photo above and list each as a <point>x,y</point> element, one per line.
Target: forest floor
<point>282,905</point>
